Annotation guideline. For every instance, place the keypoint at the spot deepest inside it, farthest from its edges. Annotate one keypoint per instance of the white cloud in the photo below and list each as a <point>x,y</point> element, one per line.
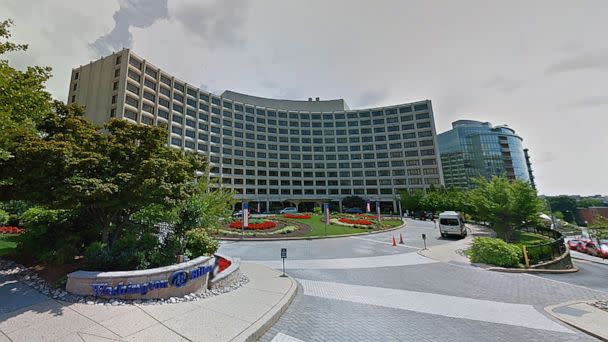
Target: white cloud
<point>58,34</point>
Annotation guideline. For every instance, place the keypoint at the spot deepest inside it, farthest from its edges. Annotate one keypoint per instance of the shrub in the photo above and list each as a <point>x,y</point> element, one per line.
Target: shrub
<point>198,242</point>
<point>356,222</point>
<point>97,256</point>
<point>4,216</point>
<point>253,225</point>
<point>297,216</point>
<point>495,252</point>
<point>11,230</point>
<point>317,211</point>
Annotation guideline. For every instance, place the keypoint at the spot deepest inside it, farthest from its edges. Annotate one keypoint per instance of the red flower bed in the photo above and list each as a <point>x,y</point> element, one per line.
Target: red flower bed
<point>367,216</point>
<point>10,230</point>
<point>222,264</point>
<point>358,222</point>
<point>262,226</point>
<point>297,216</point>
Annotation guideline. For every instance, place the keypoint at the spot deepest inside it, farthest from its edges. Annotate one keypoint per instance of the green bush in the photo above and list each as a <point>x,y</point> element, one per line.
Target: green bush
<point>97,256</point>
<point>4,216</point>
<point>55,231</point>
<point>198,242</point>
<point>495,252</point>
<point>317,211</point>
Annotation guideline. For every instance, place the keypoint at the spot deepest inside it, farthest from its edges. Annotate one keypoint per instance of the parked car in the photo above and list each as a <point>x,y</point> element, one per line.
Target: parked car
<point>602,250</point>
<point>289,210</point>
<point>590,248</point>
<point>573,244</point>
<point>582,242</point>
<point>353,211</point>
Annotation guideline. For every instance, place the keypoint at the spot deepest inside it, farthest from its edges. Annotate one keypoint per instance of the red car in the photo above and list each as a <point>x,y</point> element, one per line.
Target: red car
<point>573,244</point>
<point>590,248</point>
<point>602,250</point>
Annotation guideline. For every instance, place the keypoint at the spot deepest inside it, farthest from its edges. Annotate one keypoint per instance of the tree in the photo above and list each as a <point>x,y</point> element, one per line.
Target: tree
<point>589,202</point>
<point>599,228</point>
<point>506,205</point>
<point>23,100</point>
<point>106,176</point>
<point>353,202</point>
<point>412,200</point>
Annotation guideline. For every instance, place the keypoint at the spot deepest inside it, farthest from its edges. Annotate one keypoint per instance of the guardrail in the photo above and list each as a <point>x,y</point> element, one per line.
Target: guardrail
<point>546,251</point>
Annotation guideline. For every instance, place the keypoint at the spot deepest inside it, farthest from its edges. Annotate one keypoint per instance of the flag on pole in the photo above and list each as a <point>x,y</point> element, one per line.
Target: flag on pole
<point>326,205</point>
<point>378,211</point>
<point>245,215</point>
<point>368,206</point>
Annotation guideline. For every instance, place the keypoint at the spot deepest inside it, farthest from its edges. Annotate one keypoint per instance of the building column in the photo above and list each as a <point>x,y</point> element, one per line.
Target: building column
<point>340,201</point>
<point>394,206</point>
<point>267,206</point>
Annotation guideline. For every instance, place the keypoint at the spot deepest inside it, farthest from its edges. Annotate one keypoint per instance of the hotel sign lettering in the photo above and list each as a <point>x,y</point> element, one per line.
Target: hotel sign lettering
<point>177,279</point>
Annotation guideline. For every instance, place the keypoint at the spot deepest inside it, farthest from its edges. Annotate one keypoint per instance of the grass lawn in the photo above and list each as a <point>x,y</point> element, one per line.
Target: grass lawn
<point>529,239</point>
<point>392,223</point>
<point>8,243</point>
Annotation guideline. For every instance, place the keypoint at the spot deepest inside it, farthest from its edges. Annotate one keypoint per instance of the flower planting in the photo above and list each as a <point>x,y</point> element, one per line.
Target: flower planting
<point>11,230</point>
<point>368,216</point>
<point>297,216</point>
<point>254,225</point>
<point>361,222</point>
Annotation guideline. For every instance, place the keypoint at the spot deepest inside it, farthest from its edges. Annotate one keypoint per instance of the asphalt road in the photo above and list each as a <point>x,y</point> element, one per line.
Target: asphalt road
<point>591,275</point>
<point>365,289</point>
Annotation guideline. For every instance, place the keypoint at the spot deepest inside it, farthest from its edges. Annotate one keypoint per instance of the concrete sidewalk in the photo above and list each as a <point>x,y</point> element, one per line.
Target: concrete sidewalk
<point>582,316</point>
<point>454,251</point>
<point>587,257</point>
<point>241,315</point>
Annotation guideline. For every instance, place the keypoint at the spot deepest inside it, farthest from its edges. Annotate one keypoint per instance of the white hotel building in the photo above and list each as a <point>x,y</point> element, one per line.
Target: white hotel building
<point>271,151</point>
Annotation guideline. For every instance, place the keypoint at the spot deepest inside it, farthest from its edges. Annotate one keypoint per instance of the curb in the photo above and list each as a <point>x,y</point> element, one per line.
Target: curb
<point>311,237</point>
<point>549,309</point>
<point>256,330</point>
<point>532,270</point>
<point>593,261</point>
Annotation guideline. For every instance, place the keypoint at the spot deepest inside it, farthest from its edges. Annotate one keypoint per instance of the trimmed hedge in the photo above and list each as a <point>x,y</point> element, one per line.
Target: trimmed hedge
<point>495,252</point>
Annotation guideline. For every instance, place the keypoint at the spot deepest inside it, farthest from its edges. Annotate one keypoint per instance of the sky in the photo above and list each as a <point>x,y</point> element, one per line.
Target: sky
<point>540,67</point>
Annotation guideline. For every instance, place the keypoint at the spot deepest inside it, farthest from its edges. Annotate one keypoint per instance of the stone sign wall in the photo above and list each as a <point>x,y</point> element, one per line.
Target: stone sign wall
<point>163,282</point>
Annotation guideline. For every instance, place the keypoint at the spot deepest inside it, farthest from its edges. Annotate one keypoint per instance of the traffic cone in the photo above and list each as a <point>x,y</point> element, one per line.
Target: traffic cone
<point>394,242</point>
<point>401,239</point>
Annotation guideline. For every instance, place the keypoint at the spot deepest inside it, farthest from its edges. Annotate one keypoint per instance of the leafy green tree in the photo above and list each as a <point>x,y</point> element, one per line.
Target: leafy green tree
<point>412,200</point>
<point>23,100</point>
<point>105,176</point>
<point>589,202</point>
<point>505,205</point>
<point>599,228</point>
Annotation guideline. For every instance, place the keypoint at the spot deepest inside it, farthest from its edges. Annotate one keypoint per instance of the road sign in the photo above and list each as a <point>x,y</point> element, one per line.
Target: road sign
<point>283,257</point>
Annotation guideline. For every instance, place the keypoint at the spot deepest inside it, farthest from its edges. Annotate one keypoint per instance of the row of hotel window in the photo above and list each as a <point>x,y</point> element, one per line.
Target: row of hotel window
<point>296,165</point>
<point>228,116</point>
<point>343,191</point>
<point>274,182</point>
<point>295,156</point>
<point>329,174</point>
<point>196,94</point>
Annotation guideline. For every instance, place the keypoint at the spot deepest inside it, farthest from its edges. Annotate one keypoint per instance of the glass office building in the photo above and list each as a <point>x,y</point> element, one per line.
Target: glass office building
<point>271,151</point>
<point>473,148</point>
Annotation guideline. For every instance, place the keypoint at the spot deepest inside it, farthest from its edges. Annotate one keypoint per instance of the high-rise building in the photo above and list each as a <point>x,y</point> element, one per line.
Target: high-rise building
<point>473,148</point>
<point>271,151</point>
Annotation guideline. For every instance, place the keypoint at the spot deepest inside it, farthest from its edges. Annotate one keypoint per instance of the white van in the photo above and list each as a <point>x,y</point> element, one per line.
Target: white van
<point>451,223</point>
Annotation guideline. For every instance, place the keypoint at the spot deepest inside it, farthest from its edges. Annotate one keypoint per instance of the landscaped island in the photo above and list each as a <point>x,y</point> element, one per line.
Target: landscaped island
<point>307,225</point>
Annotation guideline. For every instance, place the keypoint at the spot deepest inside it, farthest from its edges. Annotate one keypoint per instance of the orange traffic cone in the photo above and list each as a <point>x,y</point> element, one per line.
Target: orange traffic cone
<point>401,239</point>
<point>394,242</point>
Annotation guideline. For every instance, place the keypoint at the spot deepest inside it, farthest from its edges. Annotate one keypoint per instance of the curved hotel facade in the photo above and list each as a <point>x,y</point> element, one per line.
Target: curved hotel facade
<point>271,151</point>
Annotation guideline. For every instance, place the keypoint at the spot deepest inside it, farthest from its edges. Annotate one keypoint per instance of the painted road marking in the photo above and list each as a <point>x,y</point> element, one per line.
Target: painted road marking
<point>384,242</point>
<point>521,315</point>
<point>403,259</point>
<point>280,337</point>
